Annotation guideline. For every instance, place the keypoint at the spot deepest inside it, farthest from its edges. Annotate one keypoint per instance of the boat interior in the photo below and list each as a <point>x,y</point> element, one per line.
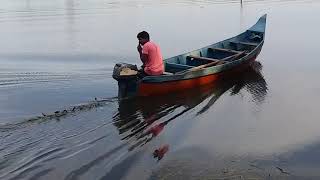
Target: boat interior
<point>216,54</point>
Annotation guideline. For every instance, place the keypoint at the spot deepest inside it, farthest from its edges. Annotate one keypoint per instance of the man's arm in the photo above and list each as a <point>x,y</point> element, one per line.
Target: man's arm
<point>143,57</point>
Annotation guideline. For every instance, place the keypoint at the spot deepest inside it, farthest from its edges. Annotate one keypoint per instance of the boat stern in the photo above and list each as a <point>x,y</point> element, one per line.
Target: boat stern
<point>127,77</point>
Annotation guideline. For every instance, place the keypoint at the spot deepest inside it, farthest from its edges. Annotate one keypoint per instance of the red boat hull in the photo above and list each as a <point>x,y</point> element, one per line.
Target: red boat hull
<point>150,89</point>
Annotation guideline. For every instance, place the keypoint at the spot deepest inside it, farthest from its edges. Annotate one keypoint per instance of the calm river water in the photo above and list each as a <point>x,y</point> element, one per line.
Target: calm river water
<point>57,55</point>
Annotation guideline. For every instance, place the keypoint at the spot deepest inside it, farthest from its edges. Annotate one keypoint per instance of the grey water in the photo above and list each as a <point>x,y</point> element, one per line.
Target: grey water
<point>59,55</point>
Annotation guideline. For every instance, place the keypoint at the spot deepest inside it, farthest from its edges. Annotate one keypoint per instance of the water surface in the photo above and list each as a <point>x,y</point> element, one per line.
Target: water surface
<point>59,55</point>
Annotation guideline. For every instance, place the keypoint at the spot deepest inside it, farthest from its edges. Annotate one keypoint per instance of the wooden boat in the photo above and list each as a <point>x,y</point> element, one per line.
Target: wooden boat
<point>199,67</point>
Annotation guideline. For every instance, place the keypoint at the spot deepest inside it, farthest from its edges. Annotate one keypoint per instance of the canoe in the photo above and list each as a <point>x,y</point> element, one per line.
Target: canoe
<point>196,68</point>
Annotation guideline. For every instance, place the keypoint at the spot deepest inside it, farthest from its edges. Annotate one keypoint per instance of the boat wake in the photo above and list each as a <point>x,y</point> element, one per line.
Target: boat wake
<point>59,114</point>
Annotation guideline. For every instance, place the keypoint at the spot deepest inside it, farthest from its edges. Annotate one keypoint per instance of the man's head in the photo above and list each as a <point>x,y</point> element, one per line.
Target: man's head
<point>143,37</point>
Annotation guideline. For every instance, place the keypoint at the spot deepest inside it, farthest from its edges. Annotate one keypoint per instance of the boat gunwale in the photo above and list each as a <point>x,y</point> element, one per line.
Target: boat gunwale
<point>212,69</point>
<point>183,78</point>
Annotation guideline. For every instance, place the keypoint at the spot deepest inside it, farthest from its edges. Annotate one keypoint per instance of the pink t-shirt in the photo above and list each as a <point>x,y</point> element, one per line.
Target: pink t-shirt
<point>154,64</point>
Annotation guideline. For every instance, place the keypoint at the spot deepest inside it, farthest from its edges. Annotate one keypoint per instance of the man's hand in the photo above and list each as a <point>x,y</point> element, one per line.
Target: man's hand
<point>139,48</point>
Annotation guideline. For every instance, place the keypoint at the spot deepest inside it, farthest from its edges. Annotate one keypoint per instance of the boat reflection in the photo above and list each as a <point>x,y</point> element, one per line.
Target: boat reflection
<point>141,119</point>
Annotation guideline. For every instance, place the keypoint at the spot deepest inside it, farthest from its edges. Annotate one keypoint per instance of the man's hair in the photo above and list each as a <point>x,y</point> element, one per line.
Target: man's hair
<point>143,35</point>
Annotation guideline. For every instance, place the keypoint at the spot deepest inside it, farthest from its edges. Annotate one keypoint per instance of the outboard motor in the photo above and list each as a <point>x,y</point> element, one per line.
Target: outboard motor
<point>127,77</point>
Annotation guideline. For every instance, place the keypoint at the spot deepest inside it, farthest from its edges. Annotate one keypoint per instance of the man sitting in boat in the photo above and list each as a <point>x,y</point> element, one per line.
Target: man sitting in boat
<point>150,56</point>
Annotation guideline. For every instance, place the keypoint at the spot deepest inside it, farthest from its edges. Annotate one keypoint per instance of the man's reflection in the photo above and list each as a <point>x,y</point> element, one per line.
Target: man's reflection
<point>160,152</point>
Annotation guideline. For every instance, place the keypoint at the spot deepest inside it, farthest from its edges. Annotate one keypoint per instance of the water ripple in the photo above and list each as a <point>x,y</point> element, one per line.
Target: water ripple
<point>75,174</point>
<point>41,77</point>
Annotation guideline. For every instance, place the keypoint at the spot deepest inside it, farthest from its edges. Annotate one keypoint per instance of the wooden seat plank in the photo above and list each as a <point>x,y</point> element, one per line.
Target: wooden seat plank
<point>203,58</point>
<point>225,50</point>
<point>245,43</point>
